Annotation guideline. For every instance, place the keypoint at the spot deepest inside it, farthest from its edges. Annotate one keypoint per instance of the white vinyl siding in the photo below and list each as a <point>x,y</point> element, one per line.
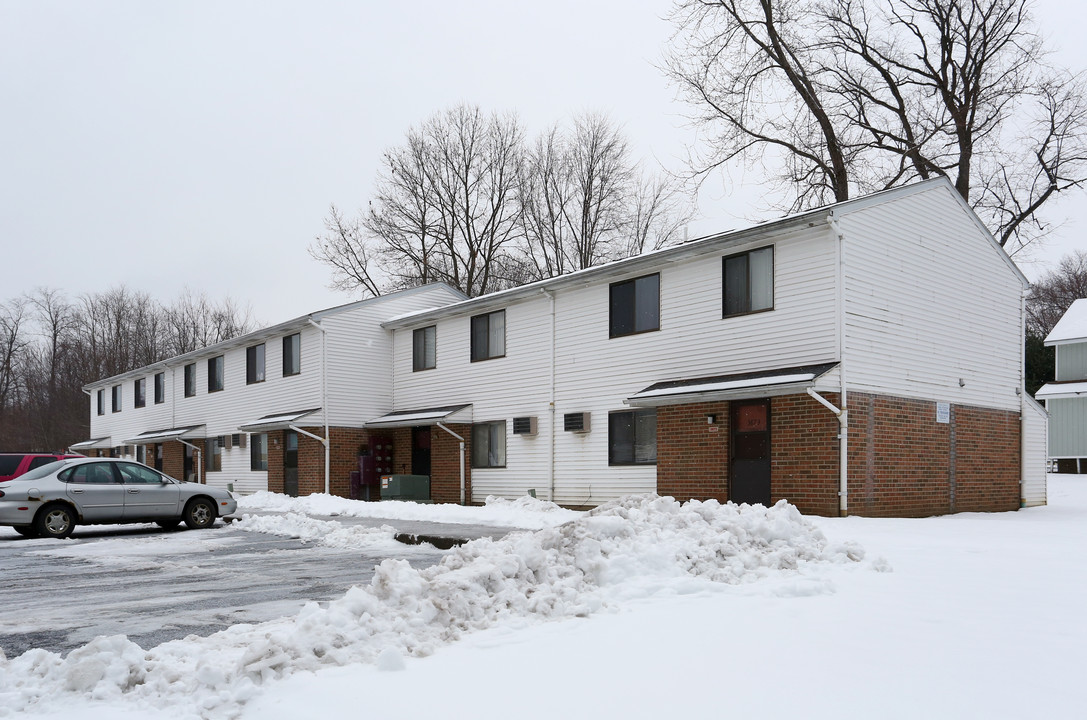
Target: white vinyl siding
<point>1033,489</point>
<point>1071,361</point>
<point>1067,427</point>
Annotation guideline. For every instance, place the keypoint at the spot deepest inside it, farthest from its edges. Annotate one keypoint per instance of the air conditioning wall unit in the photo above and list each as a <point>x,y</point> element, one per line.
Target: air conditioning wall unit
<point>576,422</point>
<point>525,426</point>
<point>238,440</point>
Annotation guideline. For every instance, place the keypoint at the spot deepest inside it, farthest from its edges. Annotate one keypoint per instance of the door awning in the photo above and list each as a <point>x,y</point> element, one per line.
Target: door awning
<point>1055,390</point>
<point>92,444</point>
<point>424,416</point>
<point>189,432</point>
<point>276,421</point>
<point>768,383</point>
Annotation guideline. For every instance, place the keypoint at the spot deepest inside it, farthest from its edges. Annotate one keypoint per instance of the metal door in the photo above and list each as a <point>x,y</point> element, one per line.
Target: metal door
<point>95,489</point>
<point>290,463</point>
<point>420,450</point>
<point>749,474</point>
<point>146,495</point>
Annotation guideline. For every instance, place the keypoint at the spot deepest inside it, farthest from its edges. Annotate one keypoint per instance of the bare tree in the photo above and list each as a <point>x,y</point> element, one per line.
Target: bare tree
<point>1054,292</point>
<point>867,95</point>
<point>346,250</point>
<point>194,321</point>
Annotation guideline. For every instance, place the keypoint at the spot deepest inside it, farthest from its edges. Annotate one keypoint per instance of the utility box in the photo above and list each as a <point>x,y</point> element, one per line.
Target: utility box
<point>415,488</point>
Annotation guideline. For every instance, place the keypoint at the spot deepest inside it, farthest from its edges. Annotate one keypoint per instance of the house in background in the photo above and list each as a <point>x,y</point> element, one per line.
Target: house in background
<point>282,407</point>
<point>1066,397</point>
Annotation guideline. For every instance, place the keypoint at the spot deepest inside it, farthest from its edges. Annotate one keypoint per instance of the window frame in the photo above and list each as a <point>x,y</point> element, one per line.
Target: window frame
<point>160,388</point>
<point>190,380</point>
<point>139,392</point>
<point>419,348</point>
<point>101,401</point>
<point>633,414</point>
<point>635,306</point>
<point>213,454</point>
<point>478,435</point>
<point>292,354</point>
<point>253,354</point>
<point>116,398</point>
<point>258,452</point>
<point>485,353</point>
<point>748,299</point>
<point>216,374</point>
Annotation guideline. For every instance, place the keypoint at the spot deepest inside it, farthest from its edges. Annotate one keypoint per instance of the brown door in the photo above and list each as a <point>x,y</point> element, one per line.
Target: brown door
<point>290,463</point>
<point>749,474</point>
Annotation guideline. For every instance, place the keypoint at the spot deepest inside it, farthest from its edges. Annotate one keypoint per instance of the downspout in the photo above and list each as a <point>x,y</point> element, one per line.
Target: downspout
<point>551,406</point>
<point>1021,391</point>
<point>322,440</point>
<point>461,440</point>
<point>324,397</point>
<point>843,413</point>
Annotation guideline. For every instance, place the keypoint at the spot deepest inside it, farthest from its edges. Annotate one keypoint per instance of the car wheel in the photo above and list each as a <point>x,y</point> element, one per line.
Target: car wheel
<point>55,521</point>
<point>26,530</point>
<point>168,524</point>
<point>199,513</point>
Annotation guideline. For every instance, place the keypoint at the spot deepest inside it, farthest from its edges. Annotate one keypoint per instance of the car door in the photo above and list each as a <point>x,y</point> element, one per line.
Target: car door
<point>96,492</point>
<point>148,494</point>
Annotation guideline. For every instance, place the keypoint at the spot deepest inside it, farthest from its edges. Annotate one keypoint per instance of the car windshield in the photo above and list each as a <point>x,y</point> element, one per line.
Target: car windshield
<point>43,470</point>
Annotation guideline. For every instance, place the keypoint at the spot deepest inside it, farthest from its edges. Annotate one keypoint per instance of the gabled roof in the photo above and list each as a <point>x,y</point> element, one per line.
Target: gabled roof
<point>1072,326</point>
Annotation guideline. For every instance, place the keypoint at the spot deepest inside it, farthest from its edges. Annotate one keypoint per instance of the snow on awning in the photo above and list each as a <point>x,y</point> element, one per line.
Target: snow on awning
<point>784,381</point>
<point>277,421</point>
<point>425,416</point>
<point>92,444</point>
<point>156,436</point>
<point>1054,390</point>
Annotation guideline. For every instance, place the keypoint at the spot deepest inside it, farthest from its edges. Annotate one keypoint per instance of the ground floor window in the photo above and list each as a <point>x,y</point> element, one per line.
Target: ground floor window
<point>489,444</point>
<point>213,455</point>
<point>632,437</point>
<point>258,451</point>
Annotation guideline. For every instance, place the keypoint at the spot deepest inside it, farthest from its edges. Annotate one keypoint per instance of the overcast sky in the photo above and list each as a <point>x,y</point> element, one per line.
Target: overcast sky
<point>199,144</point>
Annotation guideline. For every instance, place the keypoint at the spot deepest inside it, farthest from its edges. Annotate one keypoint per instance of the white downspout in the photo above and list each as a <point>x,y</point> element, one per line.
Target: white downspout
<point>459,438</point>
<point>843,413</point>
<point>199,460</point>
<point>324,397</point>
<point>551,406</point>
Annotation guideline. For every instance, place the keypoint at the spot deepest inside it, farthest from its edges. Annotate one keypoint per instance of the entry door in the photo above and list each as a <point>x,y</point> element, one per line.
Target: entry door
<point>188,468</point>
<point>420,450</point>
<point>290,463</point>
<point>749,476</point>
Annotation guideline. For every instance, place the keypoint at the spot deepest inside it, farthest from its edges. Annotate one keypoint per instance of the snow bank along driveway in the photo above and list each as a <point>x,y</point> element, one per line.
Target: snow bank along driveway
<point>628,549</point>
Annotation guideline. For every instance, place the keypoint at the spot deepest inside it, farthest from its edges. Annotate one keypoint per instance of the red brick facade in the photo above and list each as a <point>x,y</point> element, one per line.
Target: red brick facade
<point>444,461</point>
<point>344,446</point>
<point>902,462</point>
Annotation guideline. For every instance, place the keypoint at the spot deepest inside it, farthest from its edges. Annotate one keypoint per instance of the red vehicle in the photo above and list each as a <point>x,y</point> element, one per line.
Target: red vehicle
<point>12,465</point>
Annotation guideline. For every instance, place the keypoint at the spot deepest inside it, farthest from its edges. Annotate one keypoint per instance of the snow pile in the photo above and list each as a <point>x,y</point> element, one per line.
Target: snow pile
<point>524,512</point>
<point>631,548</point>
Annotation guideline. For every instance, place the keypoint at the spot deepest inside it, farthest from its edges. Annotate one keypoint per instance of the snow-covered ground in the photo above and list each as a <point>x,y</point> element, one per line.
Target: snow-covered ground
<point>641,609</point>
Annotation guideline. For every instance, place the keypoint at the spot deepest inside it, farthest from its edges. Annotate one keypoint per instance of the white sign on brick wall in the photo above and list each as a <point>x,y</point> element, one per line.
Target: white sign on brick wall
<point>943,412</point>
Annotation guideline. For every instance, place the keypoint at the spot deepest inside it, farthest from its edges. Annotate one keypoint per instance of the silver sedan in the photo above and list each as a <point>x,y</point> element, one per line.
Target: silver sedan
<point>52,499</point>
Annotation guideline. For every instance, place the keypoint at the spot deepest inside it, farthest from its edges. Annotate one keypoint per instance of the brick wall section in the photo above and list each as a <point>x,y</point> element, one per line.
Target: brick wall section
<point>444,461</point>
<point>692,456</point>
<point>275,461</point>
<point>173,458</point>
<point>988,463</point>
<point>344,446</point>
<point>804,453</point>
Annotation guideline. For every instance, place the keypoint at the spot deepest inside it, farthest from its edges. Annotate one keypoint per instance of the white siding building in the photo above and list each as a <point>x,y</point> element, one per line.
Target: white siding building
<point>1066,397</point>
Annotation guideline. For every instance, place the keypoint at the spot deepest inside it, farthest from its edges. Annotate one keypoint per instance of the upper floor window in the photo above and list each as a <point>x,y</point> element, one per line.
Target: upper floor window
<point>748,282</point>
<point>424,348</point>
<point>489,336</point>
<point>489,444</point>
<point>634,306</point>
<point>116,398</point>
<point>140,392</point>
<point>254,364</point>
<point>215,374</point>
<point>190,379</point>
<point>292,354</point>
<point>160,388</point>
<point>632,437</point>
<point>102,402</point>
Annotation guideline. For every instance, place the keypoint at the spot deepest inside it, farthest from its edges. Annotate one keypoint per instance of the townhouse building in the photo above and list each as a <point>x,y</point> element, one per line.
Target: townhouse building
<point>1066,397</point>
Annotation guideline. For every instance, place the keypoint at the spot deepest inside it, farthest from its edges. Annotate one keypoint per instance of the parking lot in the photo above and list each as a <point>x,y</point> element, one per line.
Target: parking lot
<point>154,585</point>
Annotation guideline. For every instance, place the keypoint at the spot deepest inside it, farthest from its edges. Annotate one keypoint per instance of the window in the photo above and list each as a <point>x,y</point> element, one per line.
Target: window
<point>489,336</point>
<point>258,451</point>
<point>292,355</point>
<point>489,444</point>
<point>254,364</point>
<point>116,398</point>
<point>38,462</point>
<point>190,379</point>
<point>748,282</point>
<point>89,473</point>
<point>632,437</point>
<point>140,392</point>
<point>138,475</point>
<point>215,374</point>
<point>102,402</point>
<point>424,348</point>
<point>213,454</point>
<point>141,453</point>
<point>160,388</point>
<point>634,306</point>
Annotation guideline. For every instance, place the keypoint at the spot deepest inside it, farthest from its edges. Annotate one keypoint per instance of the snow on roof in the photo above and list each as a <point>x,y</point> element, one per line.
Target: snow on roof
<point>1062,390</point>
<point>1072,325</point>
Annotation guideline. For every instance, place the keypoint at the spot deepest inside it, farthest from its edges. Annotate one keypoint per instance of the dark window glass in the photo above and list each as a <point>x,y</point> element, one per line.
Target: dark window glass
<point>632,437</point>
<point>140,388</point>
<point>292,354</point>
<point>101,402</point>
<point>116,398</point>
<point>258,451</point>
<point>748,280</point>
<point>213,455</point>
<point>634,306</point>
<point>39,461</point>
<point>9,464</point>
<point>160,388</point>
<point>190,379</point>
<point>215,374</point>
<point>489,336</point>
<point>254,364</point>
<point>138,475</point>
<point>424,348</point>
<point>90,473</point>
<point>489,444</point>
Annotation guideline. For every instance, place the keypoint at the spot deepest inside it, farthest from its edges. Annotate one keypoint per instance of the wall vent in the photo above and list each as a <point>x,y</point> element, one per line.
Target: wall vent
<point>524,426</point>
<point>576,422</point>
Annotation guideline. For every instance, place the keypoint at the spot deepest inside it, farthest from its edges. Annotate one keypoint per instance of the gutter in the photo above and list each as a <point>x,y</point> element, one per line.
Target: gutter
<point>843,413</point>
<point>324,399</point>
